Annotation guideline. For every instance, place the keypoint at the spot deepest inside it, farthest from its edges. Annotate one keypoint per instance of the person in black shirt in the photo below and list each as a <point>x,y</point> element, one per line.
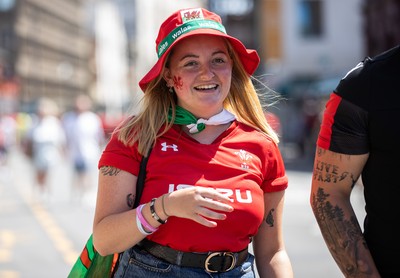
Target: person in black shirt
<point>359,136</point>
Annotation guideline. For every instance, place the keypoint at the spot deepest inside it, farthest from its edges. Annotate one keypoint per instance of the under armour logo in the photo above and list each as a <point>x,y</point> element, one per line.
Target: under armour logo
<point>165,146</point>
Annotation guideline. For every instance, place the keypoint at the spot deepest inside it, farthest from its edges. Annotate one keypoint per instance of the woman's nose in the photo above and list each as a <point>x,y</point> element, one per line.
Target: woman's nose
<point>207,72</point>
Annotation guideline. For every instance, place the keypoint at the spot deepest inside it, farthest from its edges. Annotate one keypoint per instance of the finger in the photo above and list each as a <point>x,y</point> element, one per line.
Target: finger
<point>215,205</point>
<point>204,221</point>
<point>215,195</point>
<point>211,214</point>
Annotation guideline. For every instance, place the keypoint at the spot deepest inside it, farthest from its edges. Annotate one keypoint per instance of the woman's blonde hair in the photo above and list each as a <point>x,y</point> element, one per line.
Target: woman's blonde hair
<point>145,127</point>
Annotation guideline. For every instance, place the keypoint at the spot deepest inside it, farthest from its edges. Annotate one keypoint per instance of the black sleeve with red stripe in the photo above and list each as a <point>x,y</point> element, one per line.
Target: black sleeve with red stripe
<point>344,127</point>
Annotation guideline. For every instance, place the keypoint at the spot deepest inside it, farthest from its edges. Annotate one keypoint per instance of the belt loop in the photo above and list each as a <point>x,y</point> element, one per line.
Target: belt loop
<point>179,258</point>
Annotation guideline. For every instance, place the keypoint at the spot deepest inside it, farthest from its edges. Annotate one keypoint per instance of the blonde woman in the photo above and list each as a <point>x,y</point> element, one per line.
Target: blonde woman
<point>215,177</point>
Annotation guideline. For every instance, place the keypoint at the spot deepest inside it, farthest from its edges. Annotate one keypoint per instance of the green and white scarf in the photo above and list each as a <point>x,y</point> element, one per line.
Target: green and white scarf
<point>184,117</point>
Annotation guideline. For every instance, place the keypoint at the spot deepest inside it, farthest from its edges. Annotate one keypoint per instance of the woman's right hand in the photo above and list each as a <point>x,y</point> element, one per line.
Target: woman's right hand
<point>200,204</point>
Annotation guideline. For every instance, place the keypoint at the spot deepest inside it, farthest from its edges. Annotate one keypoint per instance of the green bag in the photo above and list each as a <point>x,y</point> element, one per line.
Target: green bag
<point>90,264</point>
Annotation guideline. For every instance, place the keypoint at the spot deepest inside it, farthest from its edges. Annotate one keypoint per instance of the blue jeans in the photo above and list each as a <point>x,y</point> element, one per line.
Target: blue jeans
<point>137,263</point>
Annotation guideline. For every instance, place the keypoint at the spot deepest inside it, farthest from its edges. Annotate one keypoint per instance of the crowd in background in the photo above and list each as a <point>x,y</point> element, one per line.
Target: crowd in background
<point>77,136</point>
<point>50,137</point>
<point>80,133</point>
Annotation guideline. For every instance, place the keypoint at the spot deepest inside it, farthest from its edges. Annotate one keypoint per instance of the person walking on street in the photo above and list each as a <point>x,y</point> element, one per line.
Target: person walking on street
<point>359,136</point>
<point>46,144</point>
<point>215,177</point>
<point>85,139</point>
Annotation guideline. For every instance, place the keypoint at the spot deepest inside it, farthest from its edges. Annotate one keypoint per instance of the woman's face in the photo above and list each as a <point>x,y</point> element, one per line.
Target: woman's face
<point>200,71</point>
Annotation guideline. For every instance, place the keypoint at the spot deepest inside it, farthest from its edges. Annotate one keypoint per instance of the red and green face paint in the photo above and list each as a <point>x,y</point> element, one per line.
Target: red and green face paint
<point>178,83</point>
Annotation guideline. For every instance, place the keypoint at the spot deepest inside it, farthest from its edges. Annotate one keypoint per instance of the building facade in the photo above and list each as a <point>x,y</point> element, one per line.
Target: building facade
<point>48,52</point>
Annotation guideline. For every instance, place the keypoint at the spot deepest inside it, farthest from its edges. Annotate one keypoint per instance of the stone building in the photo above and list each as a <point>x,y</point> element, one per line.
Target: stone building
<point>44,46</point>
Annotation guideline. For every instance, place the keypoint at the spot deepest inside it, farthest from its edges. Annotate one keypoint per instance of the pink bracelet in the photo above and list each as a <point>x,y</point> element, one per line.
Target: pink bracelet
<point>140,227</point>
<point>143,221</point>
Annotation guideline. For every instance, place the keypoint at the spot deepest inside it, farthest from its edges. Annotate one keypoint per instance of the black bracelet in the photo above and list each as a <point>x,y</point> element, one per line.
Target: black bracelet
<point>154,214</point>
<point>163,207</point>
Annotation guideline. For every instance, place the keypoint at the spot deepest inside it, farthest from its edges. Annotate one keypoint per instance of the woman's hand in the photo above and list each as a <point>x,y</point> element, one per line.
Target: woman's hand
<point>200,204</point>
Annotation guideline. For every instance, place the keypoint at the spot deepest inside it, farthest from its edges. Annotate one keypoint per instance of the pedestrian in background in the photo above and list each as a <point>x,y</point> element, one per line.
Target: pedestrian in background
<point>215,177</point>
<point>45,144</point>
<point>360,135</point>
<point>8,136</point>
<point>85,140</point>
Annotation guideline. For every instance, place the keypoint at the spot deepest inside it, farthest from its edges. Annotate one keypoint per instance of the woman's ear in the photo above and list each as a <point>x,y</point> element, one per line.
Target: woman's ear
<point>167,77</point>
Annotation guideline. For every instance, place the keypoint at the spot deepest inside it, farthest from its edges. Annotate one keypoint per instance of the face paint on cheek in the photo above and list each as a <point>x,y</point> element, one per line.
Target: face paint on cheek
<point>178,83</point>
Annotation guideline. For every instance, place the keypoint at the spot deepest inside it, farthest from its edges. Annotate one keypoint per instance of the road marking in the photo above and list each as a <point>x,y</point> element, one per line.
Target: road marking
<point>55,233</point>
<point>60,241</point>
<point>9,274</point>
<point>7,242</point>
<point>57,236</point>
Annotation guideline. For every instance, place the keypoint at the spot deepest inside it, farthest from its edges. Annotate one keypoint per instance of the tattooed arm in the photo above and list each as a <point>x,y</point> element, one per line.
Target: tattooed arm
<point>334,177</point>
<point>114,227</point>
<point>269,249</point>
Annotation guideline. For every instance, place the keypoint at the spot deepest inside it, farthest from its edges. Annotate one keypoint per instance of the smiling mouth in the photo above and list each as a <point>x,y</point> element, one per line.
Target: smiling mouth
<point>206,87</point>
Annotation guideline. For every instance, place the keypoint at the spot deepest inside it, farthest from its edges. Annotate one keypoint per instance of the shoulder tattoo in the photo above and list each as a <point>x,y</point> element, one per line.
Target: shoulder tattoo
<point>109,171</point>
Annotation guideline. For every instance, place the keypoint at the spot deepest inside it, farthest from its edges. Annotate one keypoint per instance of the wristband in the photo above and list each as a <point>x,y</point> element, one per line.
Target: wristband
<point>154,214</point>
<point>140,227</point>
<point>163,207</point>
<point>143,221</point>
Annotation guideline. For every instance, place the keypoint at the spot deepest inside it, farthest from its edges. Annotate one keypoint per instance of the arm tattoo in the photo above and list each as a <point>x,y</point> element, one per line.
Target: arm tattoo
<point>109,171</point>
<point>270,218</point>
<point>326,172</point>
<point>130,200</point>
<point>342,236</point>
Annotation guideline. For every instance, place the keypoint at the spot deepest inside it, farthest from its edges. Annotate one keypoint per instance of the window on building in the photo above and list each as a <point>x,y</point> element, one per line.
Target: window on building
<point>238,17</point>
<point>310,18</point>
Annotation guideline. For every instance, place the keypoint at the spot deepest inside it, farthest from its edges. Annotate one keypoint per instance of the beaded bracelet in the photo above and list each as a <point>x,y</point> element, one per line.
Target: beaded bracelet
<point>154,213</point>
<point>143,221</point>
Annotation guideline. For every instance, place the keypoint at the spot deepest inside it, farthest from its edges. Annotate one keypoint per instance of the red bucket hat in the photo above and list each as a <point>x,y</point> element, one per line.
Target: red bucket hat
<point>190,22</point>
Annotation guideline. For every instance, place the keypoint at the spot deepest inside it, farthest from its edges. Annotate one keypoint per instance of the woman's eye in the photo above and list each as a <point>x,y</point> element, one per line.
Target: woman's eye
<point>190,64</point>
<point>219,60</point>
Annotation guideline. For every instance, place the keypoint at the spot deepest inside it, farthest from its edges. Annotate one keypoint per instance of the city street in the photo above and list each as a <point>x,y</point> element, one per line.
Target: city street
<point>43,239</point>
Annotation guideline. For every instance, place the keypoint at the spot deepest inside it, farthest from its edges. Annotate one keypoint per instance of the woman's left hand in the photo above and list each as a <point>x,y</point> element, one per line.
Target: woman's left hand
<point>201,204</point>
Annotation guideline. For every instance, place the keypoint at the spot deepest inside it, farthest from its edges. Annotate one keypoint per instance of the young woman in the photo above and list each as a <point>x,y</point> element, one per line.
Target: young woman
<point>215,177</point>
